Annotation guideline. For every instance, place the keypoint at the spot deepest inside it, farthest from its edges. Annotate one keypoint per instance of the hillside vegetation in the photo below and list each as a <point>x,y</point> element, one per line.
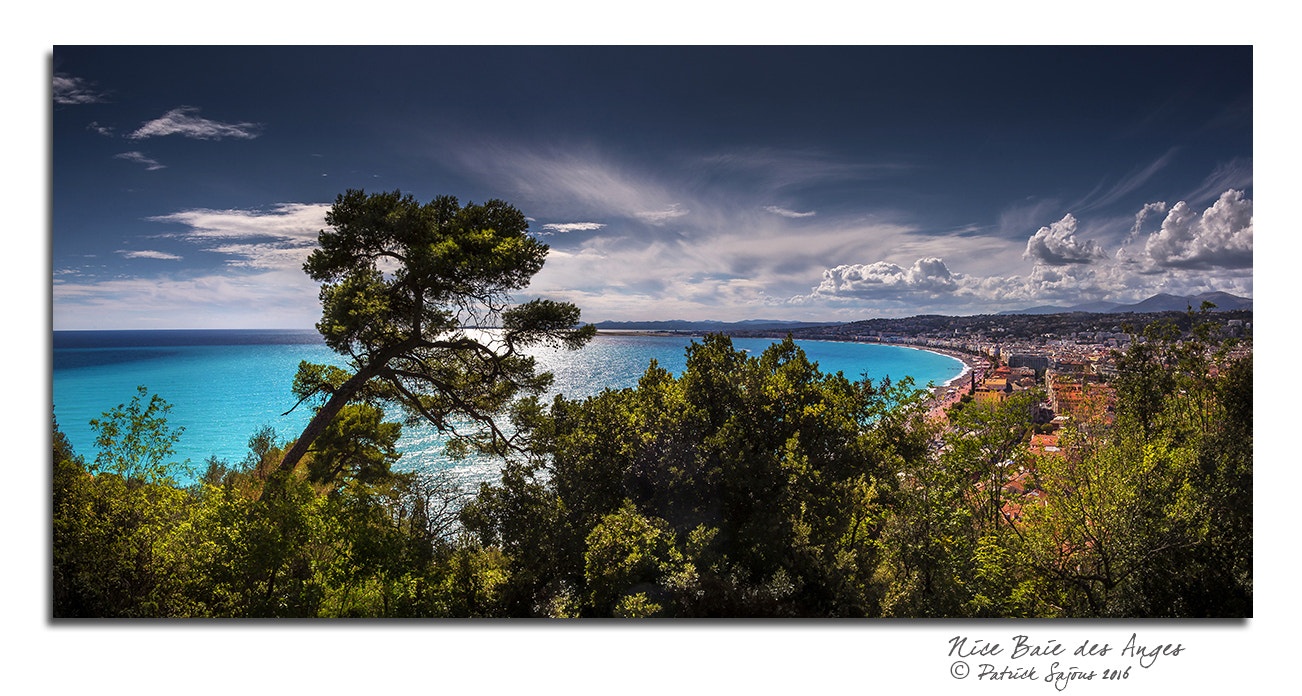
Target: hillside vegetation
<point>745,486</point>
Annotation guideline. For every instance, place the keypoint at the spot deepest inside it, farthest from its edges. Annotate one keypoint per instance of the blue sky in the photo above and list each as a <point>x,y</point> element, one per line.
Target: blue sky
<point>724,183</point>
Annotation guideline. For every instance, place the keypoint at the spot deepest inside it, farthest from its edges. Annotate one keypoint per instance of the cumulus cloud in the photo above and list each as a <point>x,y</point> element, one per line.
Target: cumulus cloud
<point>1173,259</point>
<point>75,90</point>
<point>1056,245</point>
<point>140,158</point>
<point>184,121</point>
<point>885,279</point>
<point>739,245</point>
<point>788,213</point>
<point>1148,211</point>
<point>147,254</point>
<point>572,227</point>
<point>1219,237</point>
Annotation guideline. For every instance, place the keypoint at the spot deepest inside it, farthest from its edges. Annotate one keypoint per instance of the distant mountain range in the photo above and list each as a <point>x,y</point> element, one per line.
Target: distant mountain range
<point>1157,303</point>
<point>681,325</point>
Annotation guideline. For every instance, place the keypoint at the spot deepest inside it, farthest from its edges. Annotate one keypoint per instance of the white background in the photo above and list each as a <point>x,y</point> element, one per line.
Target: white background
<point>607,657</point>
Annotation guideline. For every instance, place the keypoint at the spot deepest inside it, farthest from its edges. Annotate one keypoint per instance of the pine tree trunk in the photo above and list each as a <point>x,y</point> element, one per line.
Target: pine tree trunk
<point>321,420</point>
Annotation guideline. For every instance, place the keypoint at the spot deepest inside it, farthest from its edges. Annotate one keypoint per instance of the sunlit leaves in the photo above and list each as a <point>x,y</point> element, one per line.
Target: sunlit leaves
<point>134,440</point>
<point>357,443</point>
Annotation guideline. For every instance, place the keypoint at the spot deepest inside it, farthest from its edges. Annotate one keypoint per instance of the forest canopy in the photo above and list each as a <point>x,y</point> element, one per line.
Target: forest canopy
<point>744,486</point>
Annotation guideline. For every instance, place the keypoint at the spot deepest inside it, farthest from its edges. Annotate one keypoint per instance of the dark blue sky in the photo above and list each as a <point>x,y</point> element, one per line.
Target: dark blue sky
<point>726,183</point>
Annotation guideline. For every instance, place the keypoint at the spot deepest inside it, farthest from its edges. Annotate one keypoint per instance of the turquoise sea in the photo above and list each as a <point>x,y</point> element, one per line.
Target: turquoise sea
<point>225,385</point>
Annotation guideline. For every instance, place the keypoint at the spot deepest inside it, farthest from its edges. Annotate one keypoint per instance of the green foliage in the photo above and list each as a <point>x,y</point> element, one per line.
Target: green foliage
<point>627,555</point>
<point>401,281</point>
<point>127,547</point>
<point>134,441</point>
<point>357,443</point>
<point>745,486</point>
<point>984,449</point>
<point>1152,515</point>
<point>115,538</point>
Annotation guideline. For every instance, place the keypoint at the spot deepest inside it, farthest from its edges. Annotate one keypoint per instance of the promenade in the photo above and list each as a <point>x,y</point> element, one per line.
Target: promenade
<point>945,395</point>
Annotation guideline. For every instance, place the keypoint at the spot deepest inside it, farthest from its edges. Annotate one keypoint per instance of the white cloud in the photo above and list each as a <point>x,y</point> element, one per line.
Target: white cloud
<point>290,221</point>
<point>102,130</point>
<point>572,227</point>
<point>276,299</point>
<point>1219,237</point>
<point>75,90</point>
<point>183,121</point>
<point>281,237</point>
<point>1147,212</point>
<point>1235,174</point>
<point>660,217</point>
<point>1019,219</point>
<point>140,158</point>
<point>788,213</point>
<point>1056,245</point>
<point>148,254</point>
<point>562,182</point>
<point>1174,260</point>
<point>735,254</point>
<point>1127,185</point>
<point>887,280</point>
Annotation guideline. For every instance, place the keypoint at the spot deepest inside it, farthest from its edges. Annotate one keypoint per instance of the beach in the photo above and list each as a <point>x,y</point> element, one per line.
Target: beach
<point>944,395</point>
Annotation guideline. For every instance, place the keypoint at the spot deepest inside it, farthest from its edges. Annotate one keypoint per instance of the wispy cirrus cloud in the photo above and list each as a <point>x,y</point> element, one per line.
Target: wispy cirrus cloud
<point>264,288</point>
<point>1101,197</point>
<point>279,237</point>
<point>149,254</point>
<point>75,90</point>
<point>269,299</point>
<point>660,217</point>
<point>290,221</point>
<point>1235,174</point>
<point>564,227</point>
<point>566,181</point>
<point>185,122</point>
<point>140,158</point>
<point>775,170</point>
<point>788,213</point>
<point>1017,220</point>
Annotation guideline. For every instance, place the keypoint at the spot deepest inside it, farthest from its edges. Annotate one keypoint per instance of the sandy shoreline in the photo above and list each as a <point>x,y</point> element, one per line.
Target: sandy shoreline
<point>944,395</point>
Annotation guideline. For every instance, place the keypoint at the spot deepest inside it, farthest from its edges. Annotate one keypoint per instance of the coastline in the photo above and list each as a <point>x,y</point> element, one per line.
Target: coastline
<point>970,362</point>
<point>945,395</point>
<point>942,395</point>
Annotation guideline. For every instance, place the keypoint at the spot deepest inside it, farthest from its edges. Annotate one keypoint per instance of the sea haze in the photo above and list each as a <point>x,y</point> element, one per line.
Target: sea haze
<point>225,385</point>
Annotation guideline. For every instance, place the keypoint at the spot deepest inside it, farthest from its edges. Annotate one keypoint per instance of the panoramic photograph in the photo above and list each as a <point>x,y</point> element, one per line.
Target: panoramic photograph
<point>617,332</point>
